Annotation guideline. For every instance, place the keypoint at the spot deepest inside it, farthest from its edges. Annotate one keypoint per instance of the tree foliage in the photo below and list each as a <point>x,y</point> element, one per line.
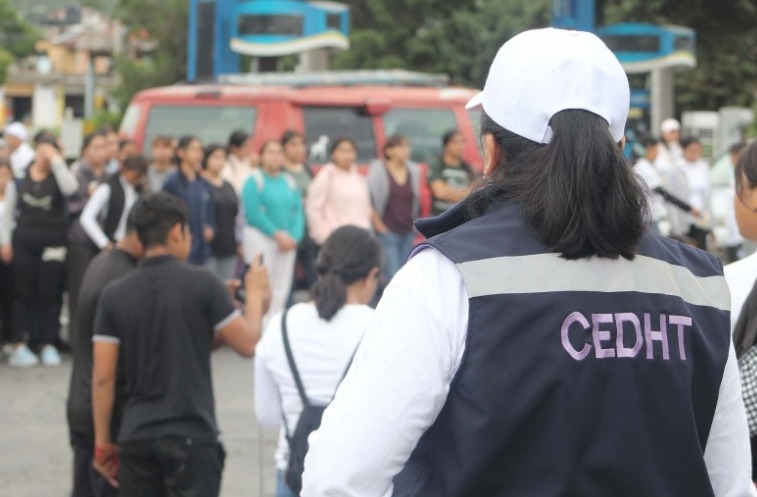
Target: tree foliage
<point>17,38</point>
<point>166,23</point>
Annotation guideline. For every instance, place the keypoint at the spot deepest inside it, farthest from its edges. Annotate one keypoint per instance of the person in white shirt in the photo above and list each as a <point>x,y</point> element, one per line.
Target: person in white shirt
<point>507,357</point>
<point>741,277</point>
<point>657,195</point>
<point>697,172</point>
<point>722,181</point>
<point>104,217</point>
<point>21,153</point>
<point>324,335</point>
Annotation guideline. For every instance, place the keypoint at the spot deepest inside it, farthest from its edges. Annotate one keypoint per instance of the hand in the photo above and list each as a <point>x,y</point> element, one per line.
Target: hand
<point>6,254</point>
<point>48,152</point>
<point>696,213</point>
<point>106,462</point>
<point>381,228</point>
<point>284,241</point>
<point>208,234</point>
<point>256,283</point>
<point>109,247</point>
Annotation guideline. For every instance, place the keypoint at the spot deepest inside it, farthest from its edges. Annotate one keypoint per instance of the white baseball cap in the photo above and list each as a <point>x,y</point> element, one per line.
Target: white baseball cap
<point>18,130</point>
<point>541,72</point>
<point>669,125</point>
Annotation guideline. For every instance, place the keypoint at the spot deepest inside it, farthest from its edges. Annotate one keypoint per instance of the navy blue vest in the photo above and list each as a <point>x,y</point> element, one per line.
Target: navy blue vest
<point>588,378</point>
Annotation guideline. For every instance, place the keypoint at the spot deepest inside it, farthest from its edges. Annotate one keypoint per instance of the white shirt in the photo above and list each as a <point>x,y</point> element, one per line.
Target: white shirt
<point>698,174</point>
<point>651,180</point>
<point>97,206</point>
<point>20,160</point>
<point>322,350</point>
<point>399,382</point>
<point>7,211</point>
<point>741,276</point>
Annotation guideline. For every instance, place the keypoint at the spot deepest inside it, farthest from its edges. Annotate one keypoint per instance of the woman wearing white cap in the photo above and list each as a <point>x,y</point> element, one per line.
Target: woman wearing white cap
<point>541,343</point>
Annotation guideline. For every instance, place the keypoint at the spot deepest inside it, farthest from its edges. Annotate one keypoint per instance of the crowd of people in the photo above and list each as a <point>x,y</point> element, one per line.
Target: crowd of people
<point>523,291</point>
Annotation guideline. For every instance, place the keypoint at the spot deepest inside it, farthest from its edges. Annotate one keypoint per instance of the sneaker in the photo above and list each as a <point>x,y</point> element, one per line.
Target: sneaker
<point>22,357</point>
<point>50,356</point>
<point>8,350</point>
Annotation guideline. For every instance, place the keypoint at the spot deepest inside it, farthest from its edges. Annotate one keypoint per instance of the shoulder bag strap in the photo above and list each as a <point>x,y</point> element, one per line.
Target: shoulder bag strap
<point>290,360</point>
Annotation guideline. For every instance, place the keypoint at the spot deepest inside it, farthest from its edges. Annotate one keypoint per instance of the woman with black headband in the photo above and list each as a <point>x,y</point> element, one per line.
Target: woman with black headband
<point>542,342</point>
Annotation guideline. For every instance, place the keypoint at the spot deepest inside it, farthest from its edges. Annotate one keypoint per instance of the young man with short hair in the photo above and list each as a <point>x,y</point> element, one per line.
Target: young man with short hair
<point>108,266</point>
<point>164,319</point>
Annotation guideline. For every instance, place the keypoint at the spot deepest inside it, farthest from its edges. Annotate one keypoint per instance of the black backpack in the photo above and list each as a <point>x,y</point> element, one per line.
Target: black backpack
<point>310,420</point>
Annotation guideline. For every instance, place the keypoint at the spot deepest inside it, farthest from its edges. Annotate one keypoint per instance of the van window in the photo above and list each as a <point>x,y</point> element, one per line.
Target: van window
<point>211,124</point>
<point>325,124</point>
<point>423,128</point>
<point>130,120</point>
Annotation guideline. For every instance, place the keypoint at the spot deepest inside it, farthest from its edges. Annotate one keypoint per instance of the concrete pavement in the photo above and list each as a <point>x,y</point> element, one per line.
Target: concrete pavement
<point>35,458</point>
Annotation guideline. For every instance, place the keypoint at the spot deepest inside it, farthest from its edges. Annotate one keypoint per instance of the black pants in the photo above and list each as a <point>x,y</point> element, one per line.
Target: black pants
<point>79,257</point>
<point>171,467</point>
<point>87,481</point>
<point>38,272</point>
<point>6,303</point>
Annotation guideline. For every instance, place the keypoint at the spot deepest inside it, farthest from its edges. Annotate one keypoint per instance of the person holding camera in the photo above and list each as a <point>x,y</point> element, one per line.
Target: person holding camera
<point>163,320</point>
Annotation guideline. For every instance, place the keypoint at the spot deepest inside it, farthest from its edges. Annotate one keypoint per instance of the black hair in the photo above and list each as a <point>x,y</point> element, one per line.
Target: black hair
<point>647,141</point>
<point>237,138</point>
<point>87,141</point>
<point>577,194</point>
<point>164,140</point>
<point>183,144</point>
<point>347,256</point>
<point>209,150</point>
<point>156,215</point>
<point>746,167</point>
<point>689,140</point>
<point>393,141</point>
<point>131,219</point>
<point>290,135</point>
<point>736,148</point>
<point>106,130</point>
<point>123,143</point>
<point>341,140</point>
<point>135,162</point>
<point>449,135</point>
<point>46,137</point>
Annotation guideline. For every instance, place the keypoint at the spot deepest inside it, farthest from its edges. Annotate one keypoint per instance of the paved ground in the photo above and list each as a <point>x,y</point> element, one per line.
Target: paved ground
<point>35,458</point>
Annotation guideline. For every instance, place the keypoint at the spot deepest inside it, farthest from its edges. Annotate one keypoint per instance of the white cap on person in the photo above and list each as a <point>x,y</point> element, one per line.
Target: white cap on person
<point>541,72</point>
<point>18,130</point>
<point>669,125</point>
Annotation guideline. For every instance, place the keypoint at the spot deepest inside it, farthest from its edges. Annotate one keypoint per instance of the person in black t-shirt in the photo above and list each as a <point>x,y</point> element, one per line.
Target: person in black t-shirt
<point>108,266</point>
<point>223,248</point>
<point>164,319</point>
<point>450,180</point>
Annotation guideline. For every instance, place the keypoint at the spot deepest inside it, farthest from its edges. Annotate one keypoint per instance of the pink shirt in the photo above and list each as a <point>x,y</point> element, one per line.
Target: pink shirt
<point>337,198</point>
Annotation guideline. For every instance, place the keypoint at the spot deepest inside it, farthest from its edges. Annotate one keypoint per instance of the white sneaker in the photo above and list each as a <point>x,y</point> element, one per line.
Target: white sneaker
<point>50,356</point>
<point>22,357</point>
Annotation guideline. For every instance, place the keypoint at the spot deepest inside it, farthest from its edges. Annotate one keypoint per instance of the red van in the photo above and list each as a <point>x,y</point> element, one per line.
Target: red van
<point>367,113</point>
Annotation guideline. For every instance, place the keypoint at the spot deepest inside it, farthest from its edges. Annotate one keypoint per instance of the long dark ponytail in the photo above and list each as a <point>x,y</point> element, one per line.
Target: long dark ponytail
<point>577,193</point>
<point>347,256</point>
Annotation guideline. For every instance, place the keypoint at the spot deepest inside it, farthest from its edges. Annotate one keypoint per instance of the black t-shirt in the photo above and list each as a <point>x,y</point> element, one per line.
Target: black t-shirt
<point>104,269</point>
<point>164,315</point>
<point>41,207</point>
<point>226,204</point>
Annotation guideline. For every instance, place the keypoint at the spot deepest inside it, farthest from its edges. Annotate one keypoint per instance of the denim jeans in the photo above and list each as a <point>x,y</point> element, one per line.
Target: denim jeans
<point>281,487</point>
<point>396,249</point>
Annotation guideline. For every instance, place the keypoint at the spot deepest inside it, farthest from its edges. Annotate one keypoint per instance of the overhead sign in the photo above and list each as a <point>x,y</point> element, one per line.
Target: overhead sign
<point>271,28</point>
<point>646,47</point>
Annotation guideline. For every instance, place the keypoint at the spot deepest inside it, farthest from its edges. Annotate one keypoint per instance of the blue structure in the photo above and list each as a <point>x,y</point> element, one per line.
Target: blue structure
<point>222,30</point>
<point>646,47</point>
<point>574,14</point>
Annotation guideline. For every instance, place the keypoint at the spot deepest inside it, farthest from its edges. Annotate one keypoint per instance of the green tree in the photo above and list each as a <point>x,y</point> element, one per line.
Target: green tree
<point>456,38</point>
<point>166,23</point>
<point>17,37</point>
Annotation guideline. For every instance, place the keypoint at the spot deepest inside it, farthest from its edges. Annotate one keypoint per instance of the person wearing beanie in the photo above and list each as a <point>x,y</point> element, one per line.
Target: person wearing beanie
<point>542,341</point>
